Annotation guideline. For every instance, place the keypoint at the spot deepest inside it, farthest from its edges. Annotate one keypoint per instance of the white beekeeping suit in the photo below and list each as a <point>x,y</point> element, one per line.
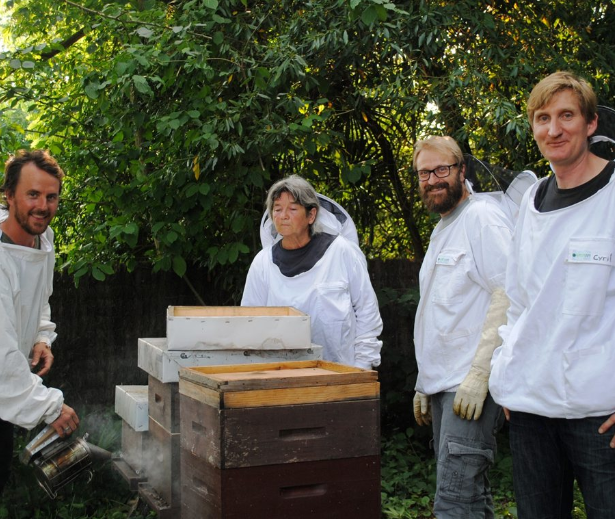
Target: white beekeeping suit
<point>336,292</point>
<point>26,278</point>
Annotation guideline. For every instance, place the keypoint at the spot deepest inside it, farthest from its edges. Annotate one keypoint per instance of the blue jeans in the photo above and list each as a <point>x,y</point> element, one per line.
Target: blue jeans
<point>465,450</point>
<point>549,453</point>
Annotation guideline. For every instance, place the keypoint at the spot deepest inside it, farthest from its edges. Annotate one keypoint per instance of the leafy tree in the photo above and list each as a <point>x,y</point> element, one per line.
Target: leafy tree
<point>172,118</point>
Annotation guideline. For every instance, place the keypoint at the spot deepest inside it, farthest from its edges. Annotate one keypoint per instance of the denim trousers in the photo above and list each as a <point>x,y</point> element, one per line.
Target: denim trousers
<point>464,450</point>
<point>6,452</point>
<point>549,453</point>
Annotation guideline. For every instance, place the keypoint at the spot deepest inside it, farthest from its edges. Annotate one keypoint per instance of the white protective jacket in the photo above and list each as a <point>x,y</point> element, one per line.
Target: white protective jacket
<point>464,264</point>
<point>26,282</point>
<point>336,293</point>
<point>558,349</point>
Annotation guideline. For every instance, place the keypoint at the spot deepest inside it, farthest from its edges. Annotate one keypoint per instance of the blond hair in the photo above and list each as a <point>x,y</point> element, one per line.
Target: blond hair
<point>441,144</point>
<point>544,91</point>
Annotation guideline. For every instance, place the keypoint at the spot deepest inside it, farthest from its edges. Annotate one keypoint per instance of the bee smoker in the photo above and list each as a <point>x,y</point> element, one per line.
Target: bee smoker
<point>58,461</point>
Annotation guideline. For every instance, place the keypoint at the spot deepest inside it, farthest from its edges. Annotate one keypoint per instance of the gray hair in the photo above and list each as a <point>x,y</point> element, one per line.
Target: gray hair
<point>303,193</point>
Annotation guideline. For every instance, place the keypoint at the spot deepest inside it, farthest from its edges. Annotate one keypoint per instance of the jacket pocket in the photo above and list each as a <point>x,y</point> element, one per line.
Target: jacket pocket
<point>589,386</point>
<point>333,320</point>
<point>587,271</point>
<point>449,277</point>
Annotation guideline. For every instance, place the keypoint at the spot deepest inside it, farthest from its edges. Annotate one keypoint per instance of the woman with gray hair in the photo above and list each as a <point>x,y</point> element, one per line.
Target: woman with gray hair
<point>321,274</point>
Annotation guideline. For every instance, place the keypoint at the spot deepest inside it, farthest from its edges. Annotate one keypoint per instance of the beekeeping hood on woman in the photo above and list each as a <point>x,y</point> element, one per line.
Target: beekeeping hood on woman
<point>336,292</point>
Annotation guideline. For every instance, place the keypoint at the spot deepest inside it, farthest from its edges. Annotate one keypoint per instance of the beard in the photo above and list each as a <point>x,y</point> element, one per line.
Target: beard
<point>446,203</point>
<point>22,219</point>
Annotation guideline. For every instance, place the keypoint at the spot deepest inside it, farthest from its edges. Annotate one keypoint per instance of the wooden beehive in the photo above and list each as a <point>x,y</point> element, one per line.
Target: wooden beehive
<point>131,405</point>
<point>237,327</point>
<point>157,360</point>
<point>304,437</point>
<point>162,466</point>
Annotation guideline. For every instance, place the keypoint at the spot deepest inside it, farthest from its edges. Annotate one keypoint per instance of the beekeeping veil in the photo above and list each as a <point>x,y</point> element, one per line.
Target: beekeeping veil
<point>503,186</point>
<point>332,217</point>
<point>602,142</point>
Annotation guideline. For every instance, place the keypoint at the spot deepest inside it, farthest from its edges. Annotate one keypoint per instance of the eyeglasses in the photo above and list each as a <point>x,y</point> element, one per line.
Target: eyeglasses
<point>440,172</point>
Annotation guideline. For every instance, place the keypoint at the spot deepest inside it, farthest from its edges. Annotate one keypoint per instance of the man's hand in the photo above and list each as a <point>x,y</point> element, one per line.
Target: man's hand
<point>41,352</point>
<point>606,426</point>
<point>67,422</point>
<point>471,394</point>
<point>422,409</point>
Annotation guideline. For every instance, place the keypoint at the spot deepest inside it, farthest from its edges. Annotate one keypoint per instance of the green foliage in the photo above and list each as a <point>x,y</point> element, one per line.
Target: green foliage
<point>12,131</point>
<point>172,119</point>
<point>408,476</point>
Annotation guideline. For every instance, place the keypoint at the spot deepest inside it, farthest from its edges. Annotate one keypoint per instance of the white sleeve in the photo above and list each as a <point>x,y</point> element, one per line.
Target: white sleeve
<point>46,329</point>
<point>24,400</point>
<point>256,289</point>
<point>368,321</point>
<point>492,236</point>
<point>516,308</point>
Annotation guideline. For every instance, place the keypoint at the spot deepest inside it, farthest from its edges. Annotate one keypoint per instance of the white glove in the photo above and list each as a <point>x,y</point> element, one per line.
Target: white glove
<point>472,392</point>
<point>422,409</point>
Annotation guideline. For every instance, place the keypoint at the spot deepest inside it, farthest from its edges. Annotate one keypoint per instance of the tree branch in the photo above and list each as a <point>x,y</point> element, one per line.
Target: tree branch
<point>66,44</point>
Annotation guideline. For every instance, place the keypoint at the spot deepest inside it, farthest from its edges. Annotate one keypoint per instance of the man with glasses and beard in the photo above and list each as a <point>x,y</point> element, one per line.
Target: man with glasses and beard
<point>462,305</point>
<point>31,189</point>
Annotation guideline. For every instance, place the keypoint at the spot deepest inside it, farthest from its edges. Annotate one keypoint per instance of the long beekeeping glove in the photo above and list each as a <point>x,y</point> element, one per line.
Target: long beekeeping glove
<point>422,409</point>
<point>473,390</point>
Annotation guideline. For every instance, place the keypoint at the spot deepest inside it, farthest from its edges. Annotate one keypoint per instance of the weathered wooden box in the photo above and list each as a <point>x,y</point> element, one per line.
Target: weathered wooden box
<point>161,463</point>
<point>155,358</point>
<point>237,328</point>
<point>252,436</point>
<point>348,488</point>
<point>131,406</point>
<point>163,403</point>
<point>295,439</point>
<point>134,446</point>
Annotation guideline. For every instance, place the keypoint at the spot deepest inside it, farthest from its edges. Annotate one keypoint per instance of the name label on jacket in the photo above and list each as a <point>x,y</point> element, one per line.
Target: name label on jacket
<point>600,257</point>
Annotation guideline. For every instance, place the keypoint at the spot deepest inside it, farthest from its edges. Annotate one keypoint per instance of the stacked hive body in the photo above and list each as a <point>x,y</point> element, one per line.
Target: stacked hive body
<point>280,440</point>
<point>199,336</point>
<point>131,405</point>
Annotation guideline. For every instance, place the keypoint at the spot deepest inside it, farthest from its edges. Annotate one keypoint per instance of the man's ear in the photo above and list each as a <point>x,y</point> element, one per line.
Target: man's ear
<point>592,126</point>
<point>8,198</point>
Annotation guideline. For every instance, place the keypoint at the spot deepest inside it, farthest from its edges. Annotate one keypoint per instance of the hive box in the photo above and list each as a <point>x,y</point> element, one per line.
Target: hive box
<point>163,403</point>
<point>134,447</point>
<point>155,358</point>
<point>162,465</point>
<point>279,440</point>
<point>131,404</point>
<point>237,328</point>
<point>348,488</point>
